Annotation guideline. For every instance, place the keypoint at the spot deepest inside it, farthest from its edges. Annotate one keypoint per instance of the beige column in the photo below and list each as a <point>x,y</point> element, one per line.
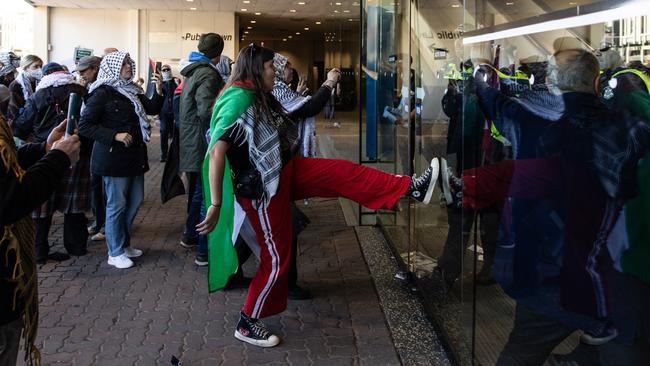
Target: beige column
<point>42,32</point>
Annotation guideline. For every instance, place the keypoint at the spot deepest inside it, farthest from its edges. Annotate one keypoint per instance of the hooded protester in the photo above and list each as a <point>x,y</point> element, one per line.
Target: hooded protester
<point>44,110</point>
<point>115,117</point>
<point>25,84</point>
<point>200,90</point>
<point>251,158</point>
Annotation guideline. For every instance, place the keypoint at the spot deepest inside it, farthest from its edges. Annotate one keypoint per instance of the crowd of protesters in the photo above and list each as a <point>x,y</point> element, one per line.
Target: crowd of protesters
<point>251,126</point>
<point>558,185</point>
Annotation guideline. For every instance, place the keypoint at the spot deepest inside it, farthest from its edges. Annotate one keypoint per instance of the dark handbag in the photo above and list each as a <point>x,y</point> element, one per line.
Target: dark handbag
<point>172,184</point>
<point>248,184</point>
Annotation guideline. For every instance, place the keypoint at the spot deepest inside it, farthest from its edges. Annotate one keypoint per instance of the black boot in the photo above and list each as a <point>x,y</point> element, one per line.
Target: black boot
<point>298,293</point>
<point>237,281</point>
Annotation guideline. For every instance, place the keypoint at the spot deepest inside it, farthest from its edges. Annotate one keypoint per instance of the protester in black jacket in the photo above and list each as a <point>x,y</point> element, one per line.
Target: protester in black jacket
<point>115,116</point>
<point>44,110</point>
<point>28,176</point>
<point>167,111</point>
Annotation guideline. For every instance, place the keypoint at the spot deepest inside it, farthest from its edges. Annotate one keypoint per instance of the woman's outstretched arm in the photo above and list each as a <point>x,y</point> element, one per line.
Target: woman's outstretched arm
<point>215,174</point>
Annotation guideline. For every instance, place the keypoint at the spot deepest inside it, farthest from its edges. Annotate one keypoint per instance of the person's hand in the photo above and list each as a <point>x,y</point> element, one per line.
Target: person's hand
<point>334,75</point>
<point>210,222</point>
<point>302,87</point>
<point>124,138</point>
<point>57,133</point>
<point>156,79</point>
<point>70,145</point>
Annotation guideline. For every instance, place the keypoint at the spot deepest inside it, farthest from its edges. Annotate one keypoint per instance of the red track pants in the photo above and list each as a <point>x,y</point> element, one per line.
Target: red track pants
<point>304,178</point>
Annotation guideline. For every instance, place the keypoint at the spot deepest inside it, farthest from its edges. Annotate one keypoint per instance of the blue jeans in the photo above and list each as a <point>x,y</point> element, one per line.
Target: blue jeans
<point>124,195</point>
<point>195,215</point>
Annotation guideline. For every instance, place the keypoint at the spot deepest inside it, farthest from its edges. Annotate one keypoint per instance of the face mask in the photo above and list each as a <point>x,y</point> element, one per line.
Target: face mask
<point>36,74</point>
<point>167,75</point>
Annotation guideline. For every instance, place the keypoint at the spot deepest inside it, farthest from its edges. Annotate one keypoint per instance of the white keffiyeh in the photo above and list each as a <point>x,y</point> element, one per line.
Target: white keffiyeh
<point>110,74</point>
<point>55,79</point>
<point>25,85</point>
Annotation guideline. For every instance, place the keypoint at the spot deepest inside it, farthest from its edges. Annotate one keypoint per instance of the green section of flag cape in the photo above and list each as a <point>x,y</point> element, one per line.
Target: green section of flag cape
<point>222,257</point>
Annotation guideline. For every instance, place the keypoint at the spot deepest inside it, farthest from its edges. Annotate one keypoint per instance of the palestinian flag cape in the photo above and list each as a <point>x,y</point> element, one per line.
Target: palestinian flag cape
<point>222,257</point>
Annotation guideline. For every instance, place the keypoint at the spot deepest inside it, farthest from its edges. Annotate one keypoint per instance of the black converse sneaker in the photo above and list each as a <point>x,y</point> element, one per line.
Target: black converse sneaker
<point>421,188</point>
<point>253,331</point>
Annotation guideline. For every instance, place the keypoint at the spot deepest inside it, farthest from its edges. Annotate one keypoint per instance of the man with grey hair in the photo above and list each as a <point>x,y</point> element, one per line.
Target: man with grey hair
<point>552,256</point>
<point>574,70</point>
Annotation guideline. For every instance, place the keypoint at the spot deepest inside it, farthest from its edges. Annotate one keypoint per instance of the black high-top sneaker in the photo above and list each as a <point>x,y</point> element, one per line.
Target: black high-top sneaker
<point>421,188</point>
<point>253,331</point>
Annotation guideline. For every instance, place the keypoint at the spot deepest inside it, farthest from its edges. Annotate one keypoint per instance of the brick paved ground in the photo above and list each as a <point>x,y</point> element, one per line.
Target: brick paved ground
<point>93,314</point>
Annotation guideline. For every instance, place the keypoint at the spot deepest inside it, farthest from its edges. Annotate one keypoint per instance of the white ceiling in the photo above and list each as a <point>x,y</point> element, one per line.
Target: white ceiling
<point>322,9</point>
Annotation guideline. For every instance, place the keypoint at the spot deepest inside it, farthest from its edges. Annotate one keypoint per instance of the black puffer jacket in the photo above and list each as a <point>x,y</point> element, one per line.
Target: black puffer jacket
<point>44,110</point>
<point>107,113</point>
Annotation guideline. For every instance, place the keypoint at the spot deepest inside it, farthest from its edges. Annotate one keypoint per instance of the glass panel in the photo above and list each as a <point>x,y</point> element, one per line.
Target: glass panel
<point>385,142</point>
<point>436,30</point>
<point>487,13</point>
<point>527,240</point>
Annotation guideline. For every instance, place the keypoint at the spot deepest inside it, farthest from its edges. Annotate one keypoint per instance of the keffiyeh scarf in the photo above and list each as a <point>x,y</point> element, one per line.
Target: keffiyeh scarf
<point>109,74</point>
<point>224,67</point>
<point>25,84</point>
<point>279,64</point>
<point>55,79</point>
<point>291,102</point>
<point>264,146</point>
<point>6,62</point>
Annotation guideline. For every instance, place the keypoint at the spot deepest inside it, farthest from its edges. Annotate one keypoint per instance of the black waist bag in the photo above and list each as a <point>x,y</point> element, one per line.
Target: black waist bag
<point>248,184</point>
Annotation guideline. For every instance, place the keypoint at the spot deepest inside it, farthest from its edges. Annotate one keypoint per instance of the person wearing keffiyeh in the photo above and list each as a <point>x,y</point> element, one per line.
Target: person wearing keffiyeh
<point>115,117</point>
<point>25,84</point>
<point>44,110</point>
<point>253,143</point>
<point>9,62</point>
<point>302,109</point>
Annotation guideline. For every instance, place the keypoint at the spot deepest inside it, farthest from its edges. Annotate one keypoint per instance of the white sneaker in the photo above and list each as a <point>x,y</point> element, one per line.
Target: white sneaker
<point>132,252</point>
<point>98,237</point>
<point>121,261</point>
<point>444,177</point>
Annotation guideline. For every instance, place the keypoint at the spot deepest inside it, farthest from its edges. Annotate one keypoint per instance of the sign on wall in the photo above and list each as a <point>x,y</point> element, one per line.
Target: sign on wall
<point>172,35</point>
<point>80,52</point>
<point>196,36</point>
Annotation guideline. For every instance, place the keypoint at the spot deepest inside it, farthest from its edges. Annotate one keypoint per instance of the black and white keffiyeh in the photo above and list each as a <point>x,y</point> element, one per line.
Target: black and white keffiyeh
<point>6,62</point>
<point>55,79</point>
<point>110,75</point>
<point>25,85</point>
<point>264,146</point>
<point>291,102</point>
<point>224,67</point>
